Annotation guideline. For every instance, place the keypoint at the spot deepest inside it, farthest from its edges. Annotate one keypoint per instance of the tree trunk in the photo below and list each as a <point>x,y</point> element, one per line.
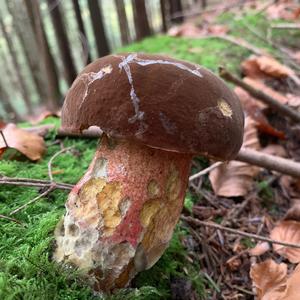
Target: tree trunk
<point>141,23</point>
<point>62,39</point>
<point>176,11</point>
<point>98,28</point>
<point>7,106</point>
<point>163,15</point>
<point>48,64</point>
<point>81,29</point>
<point>16,66</point>
<point>123,23</point>
<point>22,32</point>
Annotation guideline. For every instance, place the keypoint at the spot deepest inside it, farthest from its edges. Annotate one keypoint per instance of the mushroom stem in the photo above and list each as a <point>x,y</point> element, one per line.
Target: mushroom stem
<point>122,213</point>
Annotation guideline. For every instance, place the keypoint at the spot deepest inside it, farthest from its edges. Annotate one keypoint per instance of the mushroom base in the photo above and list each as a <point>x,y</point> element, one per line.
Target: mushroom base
<point>122,213</point>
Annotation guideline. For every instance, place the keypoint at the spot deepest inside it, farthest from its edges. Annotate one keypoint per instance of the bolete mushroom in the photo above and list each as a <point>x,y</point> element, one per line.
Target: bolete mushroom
<point>156,113</point>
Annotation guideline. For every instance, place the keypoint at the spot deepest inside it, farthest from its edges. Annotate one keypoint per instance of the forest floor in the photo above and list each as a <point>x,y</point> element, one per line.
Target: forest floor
<point>200,263</point>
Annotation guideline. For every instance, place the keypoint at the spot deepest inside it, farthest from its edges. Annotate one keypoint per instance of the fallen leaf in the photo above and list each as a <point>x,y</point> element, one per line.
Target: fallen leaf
<point>293,214</point>
<point>273,283</point>
<point>236,178</point>
<point>43,115</point>
<point>293,286</point>
<point>260,249</point>
<point>260,66</point>
<point>186,29</point>
<point>275,149</point>
<point>29,144</point>
<point>269,278</point>
<point>287,10</point>
<point>289,232</point>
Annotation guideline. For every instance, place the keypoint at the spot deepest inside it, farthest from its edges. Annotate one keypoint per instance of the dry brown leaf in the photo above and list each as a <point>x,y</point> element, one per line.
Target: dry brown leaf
<point>293,214</point>
<point>186,29</point>
<point>43,115</point>
<point>269,278</point>
<point>289,232</point>
<point>293,286</point>
<point>275,149</point>
<point>260,66</point>
<point>260,249</point>
<point>273,67</point>
<point>236,178</point>
<point>287,10</point>
<point>29,144</point>
<point>272,283</point>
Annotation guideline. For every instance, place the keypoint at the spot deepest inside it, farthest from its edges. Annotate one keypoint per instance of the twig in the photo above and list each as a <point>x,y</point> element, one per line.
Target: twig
<point>196,222</point>
<point>270,162</point>
<point>205,171</point>
<point>236,41</point>
<point>270,101</point>
<point>50,189</point>
<point>53,157</point>
<point>34,183</point>
<point>4,139</point>
<point>10,219</point>
<point>286,26</point>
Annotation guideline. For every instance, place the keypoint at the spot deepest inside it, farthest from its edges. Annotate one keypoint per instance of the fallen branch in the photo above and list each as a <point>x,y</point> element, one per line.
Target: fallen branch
<point>193,221</point>
<point>50,189</point>
<point>270,101</point>
<point>34,183</point>
<point>236,41</point>
<point>286,26</point>
<point>51,161</point>
<point>267,161</point>
<point>10,219</point>
<point>205,171</point>
<point>270,162</point>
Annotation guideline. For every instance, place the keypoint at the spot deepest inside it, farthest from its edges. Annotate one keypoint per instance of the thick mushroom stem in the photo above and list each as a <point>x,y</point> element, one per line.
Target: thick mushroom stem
<point>122,213</point>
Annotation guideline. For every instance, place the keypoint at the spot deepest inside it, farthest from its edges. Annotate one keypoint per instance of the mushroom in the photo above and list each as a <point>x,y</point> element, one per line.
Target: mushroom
<point>156,113</point>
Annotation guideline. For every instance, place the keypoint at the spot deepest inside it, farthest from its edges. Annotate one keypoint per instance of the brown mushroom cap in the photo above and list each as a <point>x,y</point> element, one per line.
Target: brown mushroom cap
<point>159,101</point>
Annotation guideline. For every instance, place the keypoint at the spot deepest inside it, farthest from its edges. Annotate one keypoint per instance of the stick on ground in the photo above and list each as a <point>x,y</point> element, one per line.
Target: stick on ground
<point>270,101</point>
<point>193,221</point>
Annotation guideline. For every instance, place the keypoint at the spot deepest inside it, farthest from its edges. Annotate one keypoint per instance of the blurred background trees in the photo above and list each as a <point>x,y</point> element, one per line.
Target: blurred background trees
<point>45,43</point>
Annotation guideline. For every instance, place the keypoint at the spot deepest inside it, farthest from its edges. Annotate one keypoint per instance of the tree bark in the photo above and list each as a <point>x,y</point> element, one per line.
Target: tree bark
<point>176,11</point>
<point>19,23</point>
<point>98,28</point>
<point>62,39</point>
<point>48,64</point>
<point>81,28</point>
<point>141,22</point>
<point>123,23</point>
<point>16,66</point>
<point>163,10</point>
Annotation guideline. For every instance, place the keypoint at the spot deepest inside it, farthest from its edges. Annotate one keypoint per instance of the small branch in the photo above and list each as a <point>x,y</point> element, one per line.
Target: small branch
<point>52,158</point>
<point>270,101</point>
<point>193,221</point>
<point>286,26</point>
<point>33,183</point>
<point>205,171</point>
<point>4,139</point>
<point>270,162</point>
<point>10,219</point>
<point>50,189</point>
<point>236,41</point>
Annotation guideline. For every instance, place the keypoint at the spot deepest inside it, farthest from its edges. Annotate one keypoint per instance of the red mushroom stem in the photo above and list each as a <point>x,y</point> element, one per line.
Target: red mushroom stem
<point>122,213</point>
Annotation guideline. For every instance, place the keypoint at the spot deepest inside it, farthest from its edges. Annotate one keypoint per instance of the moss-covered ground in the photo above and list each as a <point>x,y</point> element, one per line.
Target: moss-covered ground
<point>26,269</point>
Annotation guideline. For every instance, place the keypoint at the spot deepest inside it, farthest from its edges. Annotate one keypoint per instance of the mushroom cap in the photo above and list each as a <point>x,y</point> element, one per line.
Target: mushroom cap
<point>159,101</point>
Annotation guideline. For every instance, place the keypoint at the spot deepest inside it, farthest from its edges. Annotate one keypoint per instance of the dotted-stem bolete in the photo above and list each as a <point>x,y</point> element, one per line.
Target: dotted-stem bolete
<point>156,113</point>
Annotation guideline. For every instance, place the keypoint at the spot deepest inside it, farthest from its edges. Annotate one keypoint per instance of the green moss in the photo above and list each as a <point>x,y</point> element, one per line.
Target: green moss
<point>208,52</point>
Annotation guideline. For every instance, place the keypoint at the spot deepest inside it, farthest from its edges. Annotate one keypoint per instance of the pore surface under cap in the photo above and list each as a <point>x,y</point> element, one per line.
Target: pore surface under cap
<point>158,101</point>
